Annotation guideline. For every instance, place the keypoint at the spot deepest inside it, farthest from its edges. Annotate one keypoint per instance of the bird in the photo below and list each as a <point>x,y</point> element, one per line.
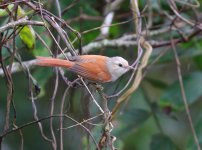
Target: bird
<point>97,68</point>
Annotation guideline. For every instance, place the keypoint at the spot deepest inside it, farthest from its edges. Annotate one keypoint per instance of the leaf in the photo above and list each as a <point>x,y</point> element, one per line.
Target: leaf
<point>157,83</point>
<point>188,50</point>
<point>42,75</point>
<point>161,142</point>
<point>40,49</point>
<point>198,61</point>
<point>4,12</point>
<point>191,145</point>
<point>20,12</point>
<point>140,138</point>
<point>114,31</point>
<point>27,35</point>
<point>132,119</point>
<point>192,86</point>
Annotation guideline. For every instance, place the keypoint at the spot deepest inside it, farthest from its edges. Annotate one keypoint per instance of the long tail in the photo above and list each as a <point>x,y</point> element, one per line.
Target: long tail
<point>48,61</point>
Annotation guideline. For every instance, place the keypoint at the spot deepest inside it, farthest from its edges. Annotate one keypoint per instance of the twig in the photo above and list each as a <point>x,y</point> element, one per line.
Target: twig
<point>9,98</point>
<point>74,2</point>
<point>106,136</point>
<point>113,6</point>
<point>184,98</point>
<point>61,118</point>
<point>35,108</point>
<point>54,142</point>
<point>104,30</point>
<point>84,121</point>
<point>141,42</point>
<point>104,43</point>
<point>109,16</point>
<point>45,118</point>
<point>105,26</point>
<point>174,9</point>
<point>138,76</point>
<point>16,67</point>
<point>96,103</point>
<point>61,33</point>
<point>20,22</point>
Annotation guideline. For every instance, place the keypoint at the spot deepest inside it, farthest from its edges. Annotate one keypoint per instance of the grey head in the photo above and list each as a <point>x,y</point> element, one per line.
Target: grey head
<point>117,66</point>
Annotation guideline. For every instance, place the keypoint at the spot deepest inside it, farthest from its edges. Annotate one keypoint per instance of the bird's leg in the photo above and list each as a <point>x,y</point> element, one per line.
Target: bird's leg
<point>98,87</point>
<point>101,88</point>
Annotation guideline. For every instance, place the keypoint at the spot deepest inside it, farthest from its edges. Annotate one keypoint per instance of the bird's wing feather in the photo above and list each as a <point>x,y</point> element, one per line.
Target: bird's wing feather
<point>92,68</point>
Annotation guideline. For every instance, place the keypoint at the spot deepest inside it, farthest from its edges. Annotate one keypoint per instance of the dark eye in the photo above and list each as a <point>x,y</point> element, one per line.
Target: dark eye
<point>120,65</point>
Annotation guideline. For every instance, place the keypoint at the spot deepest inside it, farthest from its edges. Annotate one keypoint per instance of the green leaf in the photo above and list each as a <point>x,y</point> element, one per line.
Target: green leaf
<point>157,83</point>
<point>161,142</point>
<point>4,12</point>
<point>198,61</point>
<point>42,75</point>
<point>40,49</point>
<point>114,31</point>
<point>192,86</point>
<point>27,35</point>
<point>132,119</point>
<point>191,145</point>
<point>20,12</point>
<point>140,138</point>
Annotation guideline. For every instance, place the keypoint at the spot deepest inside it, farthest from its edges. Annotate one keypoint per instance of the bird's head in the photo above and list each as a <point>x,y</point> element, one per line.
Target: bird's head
<point>117,66</point>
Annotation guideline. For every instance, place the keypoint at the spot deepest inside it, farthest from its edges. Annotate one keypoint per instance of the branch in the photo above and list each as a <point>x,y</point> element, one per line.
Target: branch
<point>184,97</point>
<point>19,22</point>
<point>16,67</point>
<point>109,16</point>
<point>174,9</point>
<point>124,41</point>
<point>138,77</point>
<point>43,119</point>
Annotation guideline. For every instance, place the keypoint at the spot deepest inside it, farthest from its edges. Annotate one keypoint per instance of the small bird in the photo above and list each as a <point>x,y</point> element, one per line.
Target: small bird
<point>96,68</point>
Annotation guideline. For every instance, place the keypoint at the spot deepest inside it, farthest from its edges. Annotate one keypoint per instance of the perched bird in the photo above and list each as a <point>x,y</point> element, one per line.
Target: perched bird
<point>93,67</point>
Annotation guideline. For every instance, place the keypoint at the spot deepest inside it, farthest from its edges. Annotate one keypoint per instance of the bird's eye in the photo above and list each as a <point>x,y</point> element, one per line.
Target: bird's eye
<point>120,65</point>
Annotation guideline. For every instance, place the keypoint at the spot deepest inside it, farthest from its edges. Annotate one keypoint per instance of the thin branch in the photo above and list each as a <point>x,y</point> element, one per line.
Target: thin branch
<point>106,135</point>
<point>43,119</point>
<point>84,121</point>
<point>141,42</point>
<point>61,118</point>
<point>174,9</point>
<point>113,6</point>
<point>105,43</point>
<point>35,109</point>
<point>184,98</point>
<point>94,100</point>
<point>138,76</point>
<point>54,142</point>
<point>74,2</point>
<point>104,30</point>
<point>20,22</point>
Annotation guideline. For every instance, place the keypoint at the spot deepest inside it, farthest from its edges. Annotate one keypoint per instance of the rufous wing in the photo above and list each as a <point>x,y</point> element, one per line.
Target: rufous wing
<point>92,67</point>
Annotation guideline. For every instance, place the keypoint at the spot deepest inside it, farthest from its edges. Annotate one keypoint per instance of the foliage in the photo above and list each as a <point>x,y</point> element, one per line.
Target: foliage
<point>154,117</point>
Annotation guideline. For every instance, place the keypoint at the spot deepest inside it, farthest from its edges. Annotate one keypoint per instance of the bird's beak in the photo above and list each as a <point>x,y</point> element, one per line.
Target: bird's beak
<point>130,68</point>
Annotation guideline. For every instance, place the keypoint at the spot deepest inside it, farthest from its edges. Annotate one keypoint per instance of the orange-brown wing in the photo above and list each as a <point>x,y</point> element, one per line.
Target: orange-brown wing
<point>92,67</point>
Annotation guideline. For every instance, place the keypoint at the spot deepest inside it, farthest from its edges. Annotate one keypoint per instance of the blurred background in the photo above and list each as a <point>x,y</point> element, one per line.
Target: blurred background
<point>154,117</point>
